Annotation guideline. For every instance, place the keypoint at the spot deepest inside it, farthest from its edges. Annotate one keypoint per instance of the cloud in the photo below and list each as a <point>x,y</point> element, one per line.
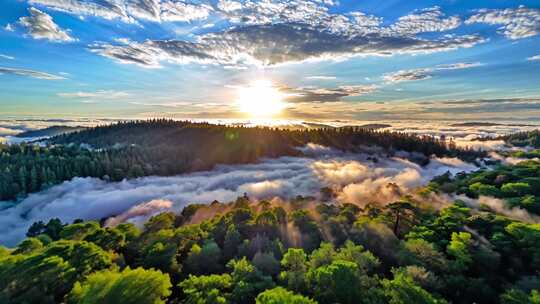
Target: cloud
<point>97,95</point>
<point>426,73</point>
<point>9,27</point>
<point>408,75</point>
<point>285,177</point>
<point>516,23</point>
<point>425,20</point>
<point>536,57</point>
<point>274,44</point>
<point>41,26</point>
<point>501,207</point>
<point>7,57</point>
<point>310,94</point>
<point>229,6</point>
<point>130,11</point>
<point>138,213</point>
<point>321,77</point>
<point>29,73</point>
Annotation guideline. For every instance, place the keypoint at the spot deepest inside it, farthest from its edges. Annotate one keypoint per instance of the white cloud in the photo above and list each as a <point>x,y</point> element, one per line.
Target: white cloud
<point>425,20</point>
<point>229,6</point>
<point>275,44</point>
<point>41,26</point>
<point>311,94</point>
<point>97,95</point>
<point>7,57</point>
<point>536,57</point>
<point>321,77</point>
<point>517,23</point>
<point>130,11</point>
<point>179,11</point>
<point>9,27</point>
<point>30,73</point>
<point>426,73</point>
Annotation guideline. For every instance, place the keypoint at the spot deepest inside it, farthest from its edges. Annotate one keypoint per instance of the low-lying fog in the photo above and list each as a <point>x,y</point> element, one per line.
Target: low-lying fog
<point>356,178</point>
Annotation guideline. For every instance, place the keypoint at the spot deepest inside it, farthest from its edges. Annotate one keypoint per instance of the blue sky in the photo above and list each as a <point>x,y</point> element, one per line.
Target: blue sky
<point>346,60</point>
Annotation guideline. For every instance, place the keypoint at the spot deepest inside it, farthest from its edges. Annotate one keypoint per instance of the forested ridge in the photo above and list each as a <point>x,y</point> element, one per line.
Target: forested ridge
<point>299,251</point>
<point>518,185</point>
<point>523,139</point>
<point>167,147</point>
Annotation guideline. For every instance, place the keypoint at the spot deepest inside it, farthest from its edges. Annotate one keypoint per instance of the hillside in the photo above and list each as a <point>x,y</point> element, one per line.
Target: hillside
<point>49,131</point>
<point>165,147</point>
<point>300,251</point>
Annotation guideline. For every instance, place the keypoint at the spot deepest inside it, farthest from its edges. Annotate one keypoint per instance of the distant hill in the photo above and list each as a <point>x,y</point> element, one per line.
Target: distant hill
<point>50,131</point>
<point>375,126</point>
<point>486,124</point>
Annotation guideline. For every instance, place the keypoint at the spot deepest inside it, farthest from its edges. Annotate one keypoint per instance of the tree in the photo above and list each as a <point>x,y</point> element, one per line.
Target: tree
<point>129,286</point>
<point>337,282</point>
<point>28,246</point>
<point>516,189</point>
<point>280,295</point>
<point>295,265</point>
<point>402,213</point>
<point>205,259</point>
<point>266,262</point>
<point>247,280</point>
<point>211,289</point>
<point>403,290</point>
<point>459,249</point>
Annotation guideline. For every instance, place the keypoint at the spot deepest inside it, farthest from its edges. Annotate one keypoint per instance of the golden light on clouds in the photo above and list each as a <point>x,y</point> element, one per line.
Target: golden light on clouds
<point>260,99</point>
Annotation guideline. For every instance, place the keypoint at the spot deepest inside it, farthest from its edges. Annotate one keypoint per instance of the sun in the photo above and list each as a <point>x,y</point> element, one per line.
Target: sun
<point>260,99</point>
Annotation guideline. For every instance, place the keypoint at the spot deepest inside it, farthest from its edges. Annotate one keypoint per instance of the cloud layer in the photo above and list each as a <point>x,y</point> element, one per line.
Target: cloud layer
<point>355,178</point>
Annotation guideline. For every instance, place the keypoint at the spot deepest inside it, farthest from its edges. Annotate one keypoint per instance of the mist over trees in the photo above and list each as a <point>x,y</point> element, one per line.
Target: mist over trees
<point>298,251</point>
<point>167,147</point>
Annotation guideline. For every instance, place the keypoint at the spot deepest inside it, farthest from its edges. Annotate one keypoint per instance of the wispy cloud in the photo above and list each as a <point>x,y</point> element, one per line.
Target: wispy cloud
<point>40,25</point>
<point>426,73</point>
<point>321,77</point>
<point>516,23</point>
<point>536,57</point>
<point>30,73</point>
<point>7,57</point>
<point>311,94</point>
<point>95,95</point>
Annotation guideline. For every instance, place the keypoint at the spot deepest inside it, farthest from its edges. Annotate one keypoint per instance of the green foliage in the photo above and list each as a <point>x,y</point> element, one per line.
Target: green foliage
<point>205,259</point>
<point>46,275</point>
<point>294,263</point>
<point>339,282</point>
<point>280,295</point>
<point>129,286</point>
<point>248,281</point>
<point>403,290</point>
<point>404,252</point>
<point>211,289</point>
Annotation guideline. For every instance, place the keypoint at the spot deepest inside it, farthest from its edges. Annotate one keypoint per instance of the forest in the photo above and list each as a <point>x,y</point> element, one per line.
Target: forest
<point>167,147</point>
<point>298,251</point>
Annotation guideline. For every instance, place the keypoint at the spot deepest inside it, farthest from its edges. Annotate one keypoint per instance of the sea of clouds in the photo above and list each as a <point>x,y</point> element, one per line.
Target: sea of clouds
<point>356,178</point>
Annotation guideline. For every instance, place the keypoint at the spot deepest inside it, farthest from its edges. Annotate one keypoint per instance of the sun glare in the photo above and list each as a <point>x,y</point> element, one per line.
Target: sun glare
<point>260,99</point>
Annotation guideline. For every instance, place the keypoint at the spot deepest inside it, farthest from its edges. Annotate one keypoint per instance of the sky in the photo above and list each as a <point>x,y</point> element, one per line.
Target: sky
<point>316,60</point>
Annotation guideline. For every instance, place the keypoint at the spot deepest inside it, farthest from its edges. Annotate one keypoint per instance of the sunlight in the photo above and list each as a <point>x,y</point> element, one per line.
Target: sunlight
<point>260,99</point>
